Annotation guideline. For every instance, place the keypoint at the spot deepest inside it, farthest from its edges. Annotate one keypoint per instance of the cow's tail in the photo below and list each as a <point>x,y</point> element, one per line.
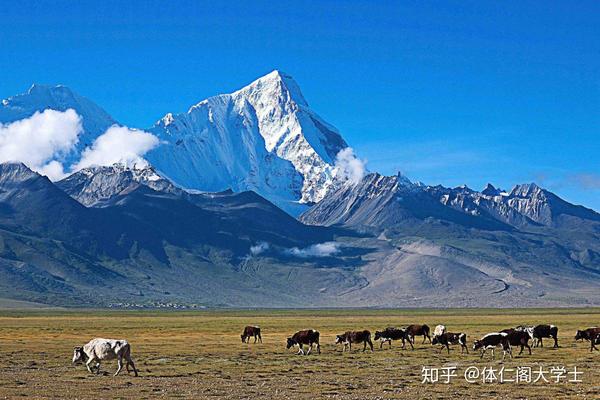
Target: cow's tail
<point>426,330</point>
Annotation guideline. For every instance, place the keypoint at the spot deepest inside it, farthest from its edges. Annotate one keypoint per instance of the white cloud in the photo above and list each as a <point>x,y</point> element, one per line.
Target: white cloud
<point>41,140</point>
<point>118,144</point>
<point>259,248</point>
<point>349,167</point>
<point>326,249</point>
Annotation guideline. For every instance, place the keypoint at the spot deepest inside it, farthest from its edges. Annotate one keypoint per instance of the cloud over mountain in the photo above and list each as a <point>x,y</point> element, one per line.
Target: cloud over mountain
<point>41,140</point>
<point>118,144</point>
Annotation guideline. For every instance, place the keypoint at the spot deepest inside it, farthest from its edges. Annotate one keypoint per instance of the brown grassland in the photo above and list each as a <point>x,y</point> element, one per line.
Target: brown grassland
<point>200,355</point>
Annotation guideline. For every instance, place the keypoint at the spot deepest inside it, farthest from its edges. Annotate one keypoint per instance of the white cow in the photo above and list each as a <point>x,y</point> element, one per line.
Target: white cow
<point>97,350</point>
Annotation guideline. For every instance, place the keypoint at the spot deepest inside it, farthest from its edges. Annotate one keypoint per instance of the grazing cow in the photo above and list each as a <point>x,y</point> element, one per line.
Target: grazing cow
<point>350,337</point>
<point>591,334</point>
<point>307,337</point>
<point>518,337</point>
<point>491,341</point>
<point>439,330</point>
<point>448,338</point>
<point>414,330</point>
<point>249,332</point>
<point>391,333</point>
<point>545,331</point>
<point>97,350</point>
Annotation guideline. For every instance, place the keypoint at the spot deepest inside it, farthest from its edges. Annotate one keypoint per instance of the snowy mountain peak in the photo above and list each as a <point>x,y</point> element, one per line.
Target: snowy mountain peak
<point>276,85</point>
<point>527,190</point>
<point>15,172</point>
<point>262,137</point>
<point>93,186</point>
<point>59,98</point>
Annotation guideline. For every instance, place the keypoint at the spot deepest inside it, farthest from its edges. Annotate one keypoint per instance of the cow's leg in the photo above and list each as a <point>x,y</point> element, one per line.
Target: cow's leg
<point>424,338</point>
<point>300,351</point>
<point>482,353</point>
<point>130,362</point>
<point>97,367</point>
<point>411,342</point>
<point>541,342</point>
<point>522,347</point>
<point>309,348</point>
<point>119,365</point>
<point>255,338</point>
<point>350,347</point>
<point>555,341</point>
<point>380,344</point>
<point>493,355</point>
<point>364,346</point>
<point>390,342</point>
<point>448,347</point>
<point>318,348</point>
<point>89,363</point>
<point>371,345</point>
<point>260,337</point>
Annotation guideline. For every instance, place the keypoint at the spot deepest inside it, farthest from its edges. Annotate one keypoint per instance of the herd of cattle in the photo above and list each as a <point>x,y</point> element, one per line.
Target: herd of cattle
<point>98,350</point>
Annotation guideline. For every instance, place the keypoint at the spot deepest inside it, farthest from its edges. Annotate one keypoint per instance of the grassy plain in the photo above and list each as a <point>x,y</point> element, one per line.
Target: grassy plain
<point>200,355</point>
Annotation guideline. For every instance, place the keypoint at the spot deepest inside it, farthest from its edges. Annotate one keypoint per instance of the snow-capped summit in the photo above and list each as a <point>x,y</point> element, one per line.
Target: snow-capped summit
<point>59,98</point>
<point>262,137</point>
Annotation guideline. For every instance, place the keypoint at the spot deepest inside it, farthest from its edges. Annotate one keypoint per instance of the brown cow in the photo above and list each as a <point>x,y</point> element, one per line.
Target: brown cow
<point>249,332</point>
<point>448,338</point>
<point>591,334</point>
<point>517,337</point>
<point>350,337</point>
<point>307,337</point>
<point>413,330</point>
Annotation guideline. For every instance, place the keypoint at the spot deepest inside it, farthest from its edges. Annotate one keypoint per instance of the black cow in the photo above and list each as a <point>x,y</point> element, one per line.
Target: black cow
<point>545,331</point>
<point>448,338</point>
<point>249,332</point>
<point>491,341</point>
<point>350,337</point>
<point>390,333</point>
<point>591,334</point>
<point>414,330</point>
<point>307,337</point>
<point>539,332</point>
<point>518,337</point>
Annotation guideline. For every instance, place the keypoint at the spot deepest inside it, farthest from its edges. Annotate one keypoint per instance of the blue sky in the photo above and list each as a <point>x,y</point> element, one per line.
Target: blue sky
<point>447,92</point>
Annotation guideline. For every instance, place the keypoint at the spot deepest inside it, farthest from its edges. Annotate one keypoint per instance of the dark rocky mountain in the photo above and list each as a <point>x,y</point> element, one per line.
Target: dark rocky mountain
<point>383,201</point>
<point>166,245</point>
<point>525,247</point>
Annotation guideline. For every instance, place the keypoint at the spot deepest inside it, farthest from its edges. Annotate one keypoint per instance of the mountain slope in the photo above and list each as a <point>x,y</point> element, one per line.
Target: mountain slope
<point>384,201</point>
<point>467,248</point>
<point>142,245</point>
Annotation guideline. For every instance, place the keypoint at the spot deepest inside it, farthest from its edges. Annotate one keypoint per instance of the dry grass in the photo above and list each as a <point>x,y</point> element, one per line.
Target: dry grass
<point>200,355</point>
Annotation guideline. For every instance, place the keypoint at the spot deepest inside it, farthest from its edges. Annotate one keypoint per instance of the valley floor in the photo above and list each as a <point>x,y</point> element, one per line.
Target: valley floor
<point>200,355</point>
